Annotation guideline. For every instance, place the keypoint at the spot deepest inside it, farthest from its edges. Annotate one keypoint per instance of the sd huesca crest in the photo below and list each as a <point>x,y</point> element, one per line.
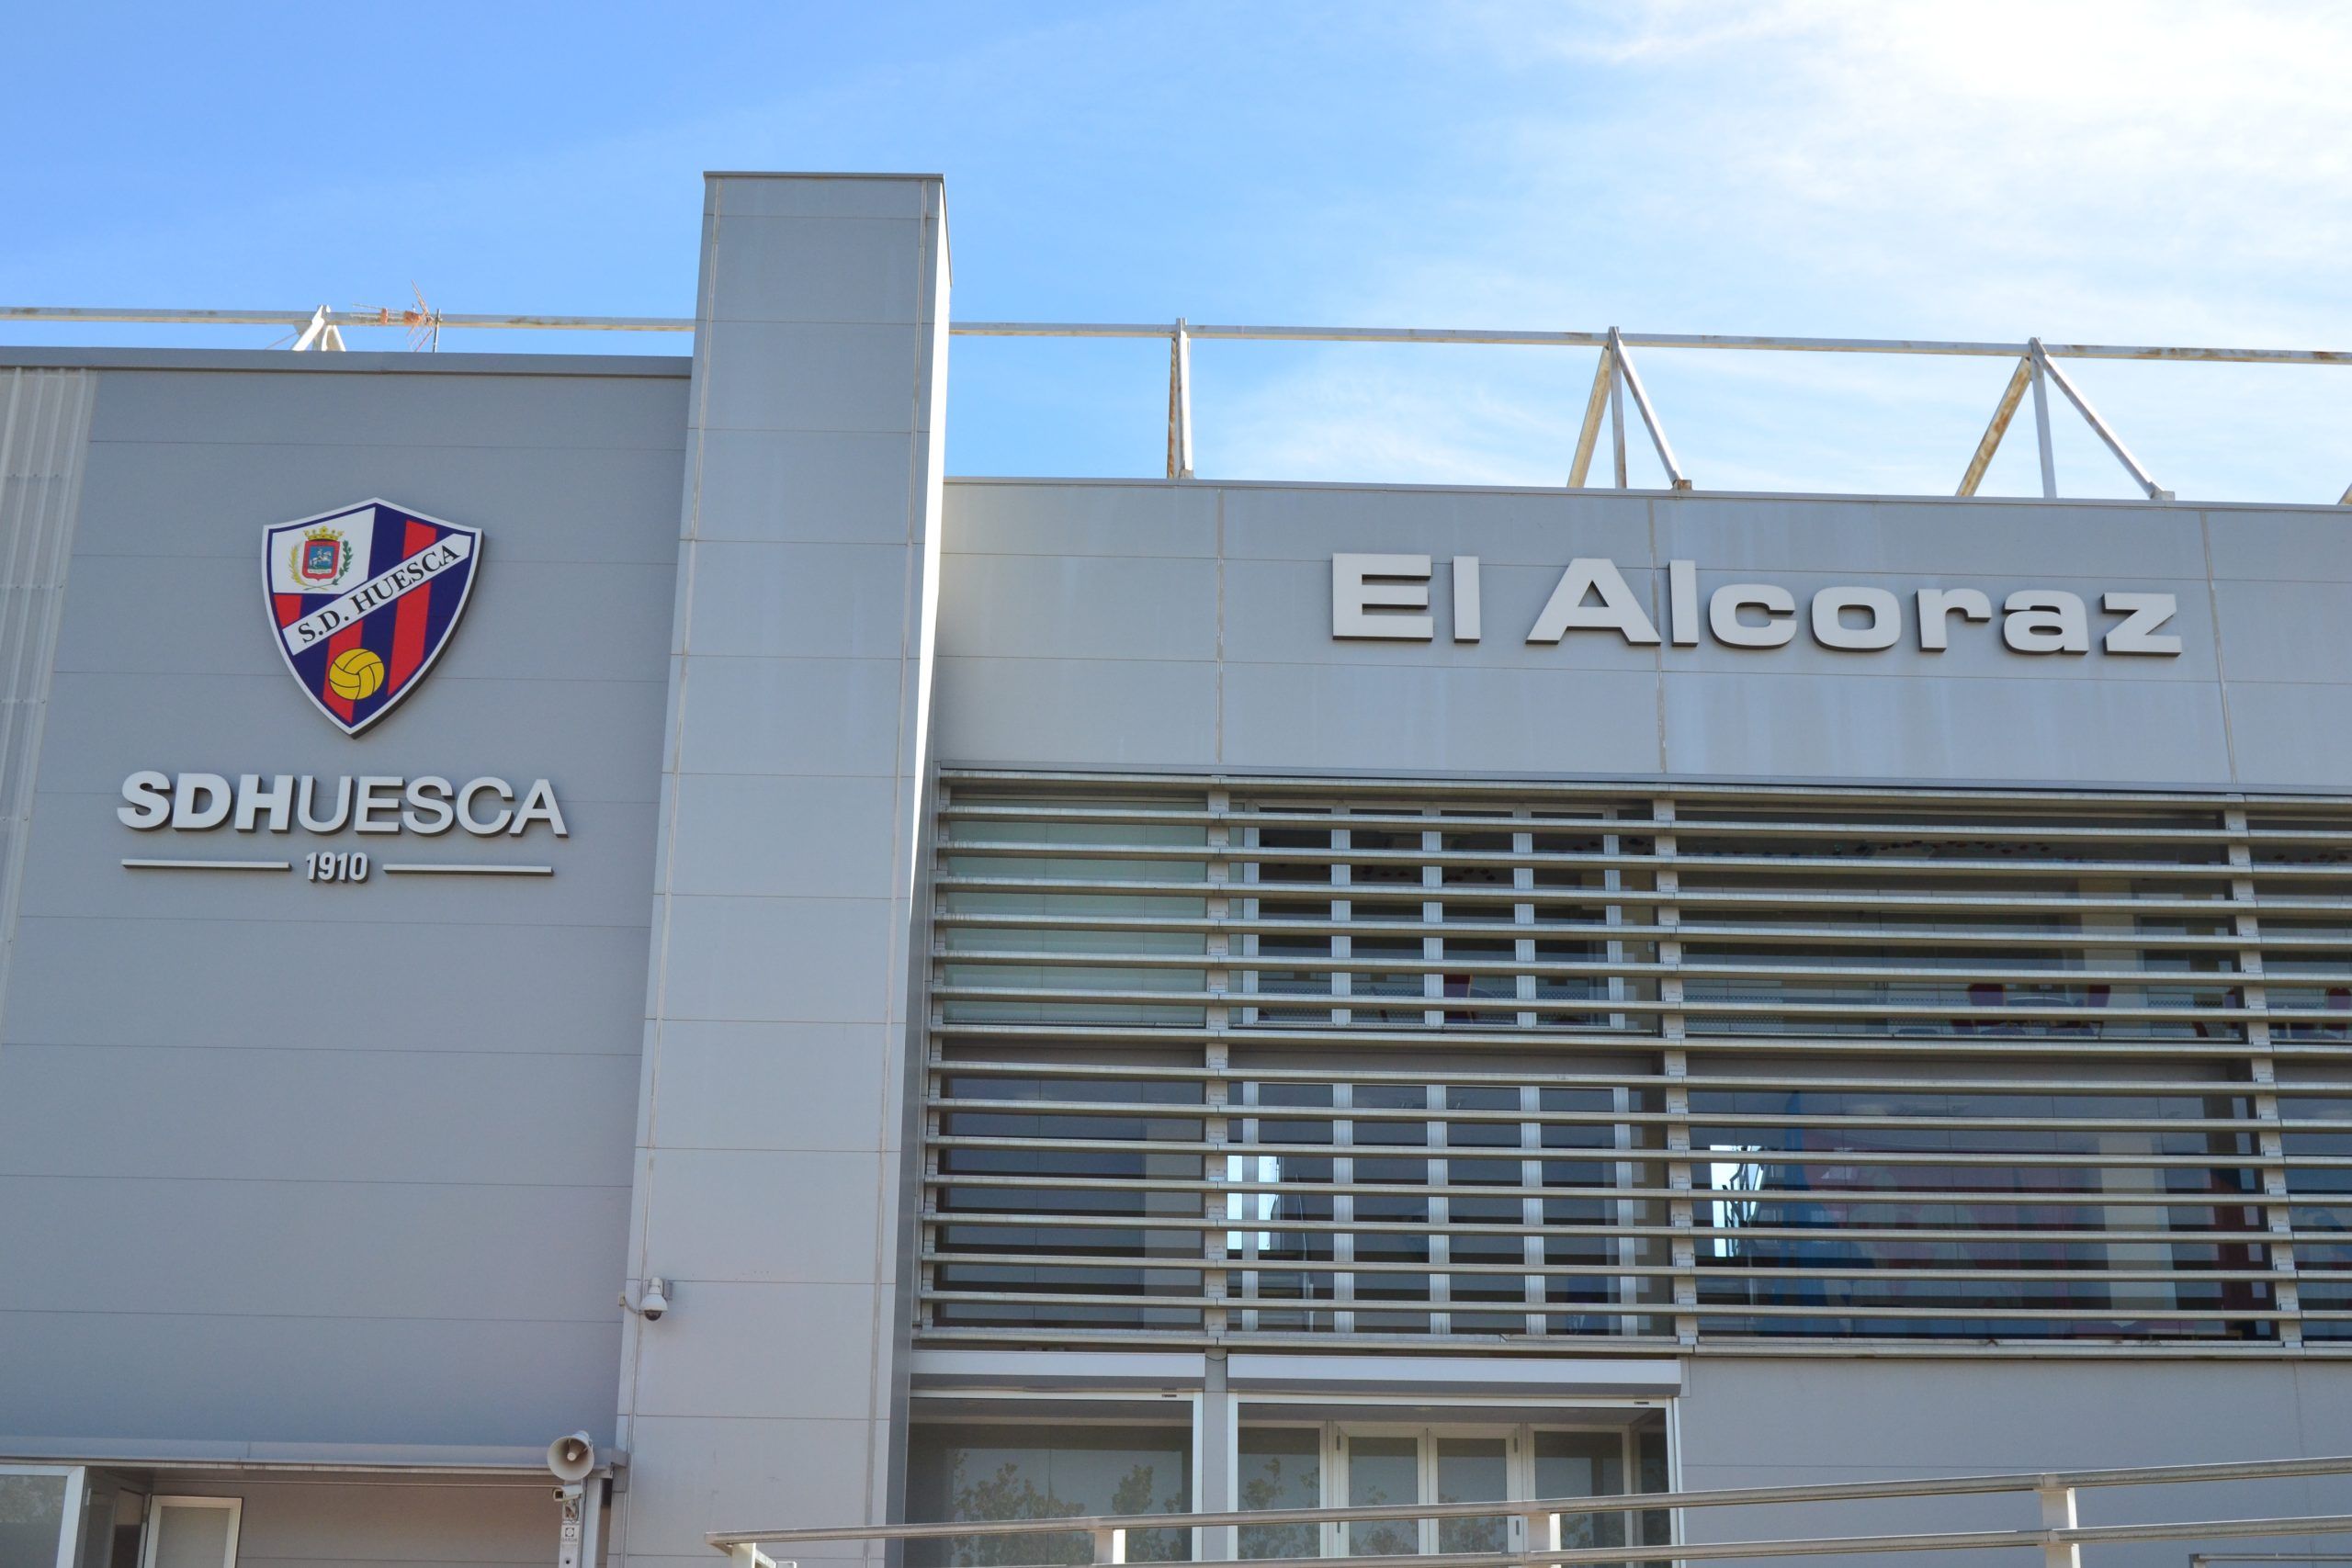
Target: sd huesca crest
<point>363,600</point>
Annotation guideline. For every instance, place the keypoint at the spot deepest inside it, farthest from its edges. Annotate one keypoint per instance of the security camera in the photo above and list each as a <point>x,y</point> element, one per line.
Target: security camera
<point>571,1457</point>
<point>654,1302</point>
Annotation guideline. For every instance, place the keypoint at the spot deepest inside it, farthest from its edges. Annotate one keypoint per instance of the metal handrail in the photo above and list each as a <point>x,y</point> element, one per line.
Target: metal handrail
<point>1982,348</point>
<point>1614,380</point>
<point>2043,1482</point>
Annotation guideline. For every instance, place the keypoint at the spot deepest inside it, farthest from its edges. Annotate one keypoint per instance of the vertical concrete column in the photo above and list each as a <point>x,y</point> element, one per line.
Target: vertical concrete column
<point>777,1030</point>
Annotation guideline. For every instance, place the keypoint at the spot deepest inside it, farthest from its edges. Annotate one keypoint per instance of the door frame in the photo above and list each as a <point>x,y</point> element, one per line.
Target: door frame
<point>151,1538</point>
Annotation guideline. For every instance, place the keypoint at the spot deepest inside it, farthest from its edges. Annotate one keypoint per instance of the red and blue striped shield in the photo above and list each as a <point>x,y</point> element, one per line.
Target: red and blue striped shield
<point>363,600</point>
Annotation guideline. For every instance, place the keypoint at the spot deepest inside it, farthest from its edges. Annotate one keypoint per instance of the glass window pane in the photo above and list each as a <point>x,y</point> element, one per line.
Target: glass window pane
<point>32,1516</point>
<point>1583,1464</point>
<point>1383,1470</point>
<point>1472,1470</point>
<point>1281,1467</point>
<point>1044,1471</point>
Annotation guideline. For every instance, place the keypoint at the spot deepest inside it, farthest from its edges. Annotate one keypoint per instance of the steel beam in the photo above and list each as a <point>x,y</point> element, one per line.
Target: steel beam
<point>2003,412</point>
<point>1595,403</point>
<point>1180,402</point>
<point>2090,416</point>
<point>1633,380</point>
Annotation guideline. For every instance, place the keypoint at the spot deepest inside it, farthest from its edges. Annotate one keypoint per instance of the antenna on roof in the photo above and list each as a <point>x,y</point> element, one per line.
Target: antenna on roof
<point>423,322</point>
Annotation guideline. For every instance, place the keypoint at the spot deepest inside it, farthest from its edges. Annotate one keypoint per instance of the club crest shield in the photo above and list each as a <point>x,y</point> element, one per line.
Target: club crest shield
<point>362,600</point>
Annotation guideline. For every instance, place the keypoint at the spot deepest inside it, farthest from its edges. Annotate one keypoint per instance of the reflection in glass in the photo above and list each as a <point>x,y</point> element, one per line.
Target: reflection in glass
<point>1281,1467</point>
<point>32,1515</point>
<point>1380,1471</point>
<point>1583,1464</point>
<point>1046,1472</point>
<point>1472,1470</point>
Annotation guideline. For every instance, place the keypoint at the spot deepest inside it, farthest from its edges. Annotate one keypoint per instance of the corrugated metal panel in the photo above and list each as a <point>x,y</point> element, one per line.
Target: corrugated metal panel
<point>1254,1061</point>
<point>44,438</point>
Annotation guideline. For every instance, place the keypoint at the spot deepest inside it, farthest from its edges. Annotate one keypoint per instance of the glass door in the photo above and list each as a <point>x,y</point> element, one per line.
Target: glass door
<point>1304,1464</point>
<point>1425,1465</point>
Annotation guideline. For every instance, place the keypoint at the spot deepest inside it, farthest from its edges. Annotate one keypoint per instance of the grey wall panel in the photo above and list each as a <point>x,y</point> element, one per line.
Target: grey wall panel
<point>712,853</point>
<point>1381,716</point>
<point>793,806</point>
<point>214,498</point>
<point>786,270</point>
<point>251,1114</point>
<point>804,376</point>
<point>749,1354</point>
<point>722,959</point>
<point>2285,631</point>
<point>1935,538</point>
<point>415,413</point>
<point>1279,693</point>
<point>1834,727</point>
<point>745,716</point>
<point>774,1085</point>
<point>1043,520</point>
<point>534,989</point>
<point>1025,607</point>
<point>289,1162</point>
<point>421,1381</point>
<point>724,1210</point>
<point>1508,527</point>
<point>2292,733</point>
<point>798,486</point>
<point>800,601</point>
<point>1098,714</point>
<point>44,422</point>
<point>687,1473</point>
<point>2304,545</point>
<point>1755,1423</point>
<point>321,1249</point>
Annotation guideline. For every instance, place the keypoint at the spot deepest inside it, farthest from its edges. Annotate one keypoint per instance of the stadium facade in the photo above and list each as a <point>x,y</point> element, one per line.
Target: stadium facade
<point>649,910</point>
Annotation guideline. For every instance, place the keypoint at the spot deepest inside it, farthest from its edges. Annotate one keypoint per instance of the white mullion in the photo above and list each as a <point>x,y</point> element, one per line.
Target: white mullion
<point>1440,1209</point>
<point>1613,914</point>
<point>1522,880</point>
<point>1434,916</point>
<point>1435,1210</point>
<point>1425,1452</point>
<point>1333,1534</point>
<point>934,1088</point>
<point>1215,1055</point>
<point>2278,1209</point>
<point>1252,1206</point>
<point>1343,1209</point>
<point>1675,1063</point>
<point>1252,908</point>
<point>1530,1209</point>
<point>1342,909</point>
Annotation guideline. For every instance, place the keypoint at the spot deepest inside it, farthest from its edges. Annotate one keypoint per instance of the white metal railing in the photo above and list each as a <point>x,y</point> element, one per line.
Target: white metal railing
<point>1614,377</point>
<point>2060,1534</point>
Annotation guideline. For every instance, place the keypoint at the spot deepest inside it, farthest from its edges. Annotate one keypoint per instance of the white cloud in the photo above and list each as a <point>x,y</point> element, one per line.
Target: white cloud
<point>2149,171</point>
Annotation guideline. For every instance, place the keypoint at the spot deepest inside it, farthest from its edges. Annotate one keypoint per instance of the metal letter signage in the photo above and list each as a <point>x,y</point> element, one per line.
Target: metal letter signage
<point>363,600</point>
<point>1368,592</point>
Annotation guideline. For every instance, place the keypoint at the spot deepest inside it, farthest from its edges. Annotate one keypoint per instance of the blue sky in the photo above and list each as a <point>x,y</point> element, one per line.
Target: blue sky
<point>2141,173</point>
